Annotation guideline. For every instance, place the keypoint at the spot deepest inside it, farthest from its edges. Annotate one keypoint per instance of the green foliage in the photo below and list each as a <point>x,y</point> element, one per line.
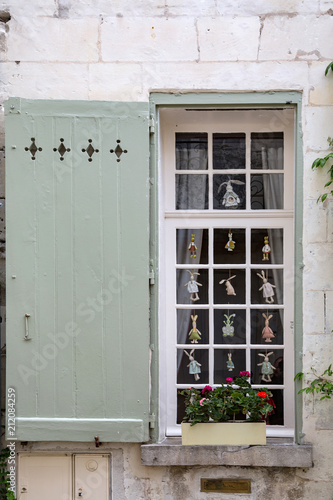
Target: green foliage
<point>329,67</point>
<point>321,162</point>
<point>5,494</point>
<point>320,385</point>
<point>237,398</point>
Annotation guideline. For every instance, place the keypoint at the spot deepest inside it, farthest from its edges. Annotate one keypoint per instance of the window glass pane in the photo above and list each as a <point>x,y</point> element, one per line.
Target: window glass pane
<point>272,333</point>
<point>228,151</point>
<point>191,192</point>
<point>267,150</point>
<point>192,246</point>
<point>229,292</point>
<point>277,418</point>
<point>192,326</point>
<point>229,192</point>
<point>229,246</point>
<point>263,250</point>
<point>229,326</point>
<point>180,407</point>
<point>267,192</point>
<point>228,363</point>
<point>198,366</point>
<point>191,151</point>
<point>186,291</point>
<point>271,371</point>
<point>272,291</point>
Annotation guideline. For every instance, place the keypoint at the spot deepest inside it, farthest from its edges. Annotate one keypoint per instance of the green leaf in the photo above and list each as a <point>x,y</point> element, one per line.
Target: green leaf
<point>329,67</point>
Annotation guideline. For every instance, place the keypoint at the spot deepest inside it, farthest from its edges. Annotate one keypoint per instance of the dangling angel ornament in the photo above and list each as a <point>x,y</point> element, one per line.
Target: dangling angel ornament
<point>230,198</point>
<point>267,288</point>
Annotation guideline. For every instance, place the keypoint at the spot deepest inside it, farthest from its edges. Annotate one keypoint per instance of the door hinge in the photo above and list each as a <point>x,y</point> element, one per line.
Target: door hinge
<point>151,274</point>
<point>152,420</point>
<point>152,125</point>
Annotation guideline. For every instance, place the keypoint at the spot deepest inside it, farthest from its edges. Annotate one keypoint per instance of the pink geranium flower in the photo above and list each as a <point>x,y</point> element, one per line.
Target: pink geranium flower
<point>229,379</point>
<point>202,400</point>
<point>245,374</point>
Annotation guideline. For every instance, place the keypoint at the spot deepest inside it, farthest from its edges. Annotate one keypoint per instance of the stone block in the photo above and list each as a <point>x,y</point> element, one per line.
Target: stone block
<point>148,39</point>
<point>199,8</point>
<point>53,39</point>
<point>315,217</point>
<point>30,9</point>
<point>270,455</point>
<point>317,274</point>
<point>46,81</point>
<point>325,6</point>
<point>119,8</point>
<point>317,128</point>
<point>263,7</point>
<point>3,42</point>
<point>313,312</point>
<point>329,204</point>
<point>300,37</point>
<point>115,81</point>
<point>314,180</point>
<point>228,38</point>
<point>226,76</point>
<point>321,86</point>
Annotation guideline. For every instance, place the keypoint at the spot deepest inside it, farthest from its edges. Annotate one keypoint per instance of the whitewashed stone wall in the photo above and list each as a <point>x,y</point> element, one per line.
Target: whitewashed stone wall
<point>122,50</point>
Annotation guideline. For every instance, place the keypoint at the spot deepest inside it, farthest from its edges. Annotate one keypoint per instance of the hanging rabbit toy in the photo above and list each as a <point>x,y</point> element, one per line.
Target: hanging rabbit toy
<point>228,329</point>
<point>266,367</point>
<point>230,364</point>
<point>228,286</point>
<point>192,286</point>
<point>267,332</point>
<point>230,198</point>
<point>194,334</point>
<point>193,365</point>
<point>267,288</point>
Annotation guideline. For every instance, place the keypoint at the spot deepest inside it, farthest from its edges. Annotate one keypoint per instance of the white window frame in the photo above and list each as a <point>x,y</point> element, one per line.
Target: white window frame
<point>179,120</point>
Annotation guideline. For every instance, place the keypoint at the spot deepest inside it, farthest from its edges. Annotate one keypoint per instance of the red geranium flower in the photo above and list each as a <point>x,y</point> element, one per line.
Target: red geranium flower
<point>262,394</point>
<point>207,388</point>
<point>245,374</point>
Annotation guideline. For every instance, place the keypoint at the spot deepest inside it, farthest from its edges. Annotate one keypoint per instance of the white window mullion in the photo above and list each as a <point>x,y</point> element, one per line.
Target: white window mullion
<point>211,302</point>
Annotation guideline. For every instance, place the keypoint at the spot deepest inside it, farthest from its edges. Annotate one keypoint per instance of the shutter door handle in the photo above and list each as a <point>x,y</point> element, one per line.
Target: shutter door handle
<point>26,336</point>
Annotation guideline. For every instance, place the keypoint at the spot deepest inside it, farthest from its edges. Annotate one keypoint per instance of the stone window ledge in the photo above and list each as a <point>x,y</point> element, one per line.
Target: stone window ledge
<point>276,453</point>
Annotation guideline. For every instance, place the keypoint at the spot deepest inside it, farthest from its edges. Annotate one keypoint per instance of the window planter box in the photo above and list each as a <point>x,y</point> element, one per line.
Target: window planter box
<point>224,433</point>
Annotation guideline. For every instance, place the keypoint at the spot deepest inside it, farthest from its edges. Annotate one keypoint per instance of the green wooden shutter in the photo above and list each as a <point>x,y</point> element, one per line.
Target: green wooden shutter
<point>77,201</point>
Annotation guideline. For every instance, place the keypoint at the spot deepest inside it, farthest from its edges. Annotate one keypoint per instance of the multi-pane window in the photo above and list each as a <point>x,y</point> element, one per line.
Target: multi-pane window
<point>227,254</point>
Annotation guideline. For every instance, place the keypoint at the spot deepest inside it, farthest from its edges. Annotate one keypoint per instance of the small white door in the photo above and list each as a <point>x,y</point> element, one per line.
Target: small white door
<point>91,477</point>
<point>44,477</point>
